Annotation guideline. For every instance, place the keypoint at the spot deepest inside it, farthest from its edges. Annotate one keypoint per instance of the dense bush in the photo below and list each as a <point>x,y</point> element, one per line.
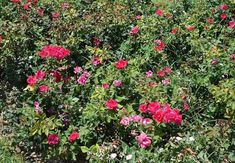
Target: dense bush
<point>118,81</point>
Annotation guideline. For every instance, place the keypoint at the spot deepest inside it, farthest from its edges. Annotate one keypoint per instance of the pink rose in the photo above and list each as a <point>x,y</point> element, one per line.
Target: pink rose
<point>43,88</point>
<point>159,12</point>
<point>77,70</point>
<point>143,108</point>
<point>125,121</point>
<point>117,83</point>
<point>143,140</point>
<point>134,30</point>
<point>105,86</point>
<point>149,74</point>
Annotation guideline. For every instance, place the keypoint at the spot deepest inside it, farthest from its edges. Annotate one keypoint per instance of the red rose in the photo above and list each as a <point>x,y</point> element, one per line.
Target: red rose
<point>134,30</point>
<point>121,64</point>
<point>231,24</point>
<point>43,88</point>
<point>190,28</point>
<point>158,116</point>
<point>223,16</point>
<point>75,135</point>
<point>31,80</point>
<point>143,108</point>
<point>174,31</point>
<point>161,74</point>
<point>27,6</point>
<point>40,75</point>
<point>153,107</point>
<point>111,104</point>
<point>159,12</point>
<point>159,45</point>
<point>53,139</point>
<point>167,70</point>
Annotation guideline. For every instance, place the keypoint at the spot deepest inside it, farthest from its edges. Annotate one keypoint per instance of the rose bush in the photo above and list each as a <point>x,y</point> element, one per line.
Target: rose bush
<point>119,81</point>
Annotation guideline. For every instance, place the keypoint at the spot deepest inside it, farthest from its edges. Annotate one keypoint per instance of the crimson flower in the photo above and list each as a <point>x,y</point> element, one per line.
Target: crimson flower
<point>121,64</point>
<point>111,104</point>
<point>75,135</point>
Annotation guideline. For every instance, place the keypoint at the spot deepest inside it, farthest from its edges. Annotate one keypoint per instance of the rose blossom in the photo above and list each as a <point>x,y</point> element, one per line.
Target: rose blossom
<point>125,121</point>
<point>43,88</point>
<point>55,15</point>
<point>149,74</point>
<point>27,6</point>
<point>138,17</point>
<point>223,16</point>
<point>53,139</point>
<point>105,86</point>
<point>40,75</point>
<point>159,45</point>
<point>153,107</point>
<point>223,7</point>
<point>174,31</point>
<point>214,62</point>
<point>143,108</point>
<point>31,80</point>
<point>117,83</point>
<point>136,118</point>
<point>134,30</point>
<point>111,104</point>
<point>160,74</point>
<point>167,70</point>
<point>166,82</point>
<point>159,12</point>
<point>77,70</point>
<point>143,140</point>
<point>190,28</point>
<point>231,24</point>
<point>146,121</point>
<point>96,61</point>
<point>75,135</point>
<point>121,64</point>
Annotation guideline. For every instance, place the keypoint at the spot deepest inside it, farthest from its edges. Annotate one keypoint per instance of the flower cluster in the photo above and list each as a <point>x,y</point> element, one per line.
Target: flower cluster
<point>39,75</point>
<point>162,113</point>
<point>56,52</point>
<point>135,118</point>
<point>53,139</point>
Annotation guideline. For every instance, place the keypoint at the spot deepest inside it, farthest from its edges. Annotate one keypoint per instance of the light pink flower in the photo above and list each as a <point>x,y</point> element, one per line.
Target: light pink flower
<point>125,121</point>
<point>77,69</point>
<point>146,121</point>
<point>117,83</point>
<point>136,118</point>
<point>166,82</point>
<point>143,140</point>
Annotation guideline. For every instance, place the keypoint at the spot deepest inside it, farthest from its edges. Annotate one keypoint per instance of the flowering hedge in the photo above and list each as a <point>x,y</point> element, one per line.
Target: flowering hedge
<point>120,81</point>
